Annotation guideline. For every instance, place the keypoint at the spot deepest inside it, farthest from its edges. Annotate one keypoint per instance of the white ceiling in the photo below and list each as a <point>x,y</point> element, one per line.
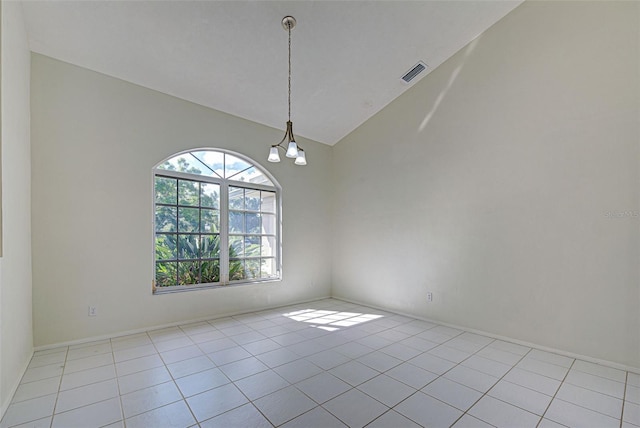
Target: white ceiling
<point>347,56</point>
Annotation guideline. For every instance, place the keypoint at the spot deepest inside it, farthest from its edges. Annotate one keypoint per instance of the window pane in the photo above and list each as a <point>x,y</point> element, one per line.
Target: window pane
<point>188,246</point>
<point>186,163</point>
<point>236,270</point>
<point>209,195</point>
<point>166,247</point>
<point>268,224</point>
<point>210,246</point>
<point>236,246</point>
<point>252,268</point>
<point>236,198</point>
<point>252,200</point>
<point>188,219</point>
<point>236,222</point>
<point>251,175</point>
<point>268,202</point>
<point>253,223</point>
<point>166,219</point>
<point>252,246</point>
<point>233,165</point>
<point>172,164</point>
<point>166,192</point>
<point>209,221</point>
<point>166,274</point>
<point>188,273</point>
<point>188,192</point>
<point>268,246</point>
<point>268,268</point>
<point>213,160</point>
<point>210,271</point>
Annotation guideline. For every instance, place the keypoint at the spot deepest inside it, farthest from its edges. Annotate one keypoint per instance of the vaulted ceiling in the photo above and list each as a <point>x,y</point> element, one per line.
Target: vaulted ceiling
<point>347,56</point>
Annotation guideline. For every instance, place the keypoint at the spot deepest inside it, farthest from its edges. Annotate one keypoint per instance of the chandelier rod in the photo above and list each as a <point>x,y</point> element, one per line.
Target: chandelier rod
<point>289,31</point>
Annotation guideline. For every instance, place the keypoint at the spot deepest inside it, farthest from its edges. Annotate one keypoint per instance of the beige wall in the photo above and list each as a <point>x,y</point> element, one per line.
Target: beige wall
<point>95,141</point>
<point>489,184</point>
<point>16,340</point>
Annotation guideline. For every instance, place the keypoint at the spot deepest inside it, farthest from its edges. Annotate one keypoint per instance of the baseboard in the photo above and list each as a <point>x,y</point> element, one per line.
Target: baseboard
<point>172,324</point>
<point>14,388</point>
<point>505,338</point>
<point>471,330</point>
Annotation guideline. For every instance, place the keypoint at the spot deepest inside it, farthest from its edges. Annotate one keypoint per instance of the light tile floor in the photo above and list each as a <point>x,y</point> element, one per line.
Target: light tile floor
<point>323,364</point>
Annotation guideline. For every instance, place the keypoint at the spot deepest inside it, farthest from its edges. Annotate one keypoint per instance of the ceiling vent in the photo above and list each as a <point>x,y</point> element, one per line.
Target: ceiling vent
<point>414,72</point>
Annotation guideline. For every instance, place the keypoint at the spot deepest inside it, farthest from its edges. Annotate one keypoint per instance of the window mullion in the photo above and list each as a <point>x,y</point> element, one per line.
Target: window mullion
<point>224,233</point>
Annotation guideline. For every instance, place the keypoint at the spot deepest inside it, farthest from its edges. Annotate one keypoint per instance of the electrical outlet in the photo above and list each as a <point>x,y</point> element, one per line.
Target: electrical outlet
<point>429,297</point>
<point>92,311</point>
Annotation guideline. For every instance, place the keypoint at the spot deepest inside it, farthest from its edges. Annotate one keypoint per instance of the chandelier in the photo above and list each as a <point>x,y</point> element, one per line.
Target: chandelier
<point>293,150</point>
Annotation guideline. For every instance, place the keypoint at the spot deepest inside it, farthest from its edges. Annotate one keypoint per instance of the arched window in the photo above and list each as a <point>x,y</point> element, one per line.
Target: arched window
<point>217,221</point>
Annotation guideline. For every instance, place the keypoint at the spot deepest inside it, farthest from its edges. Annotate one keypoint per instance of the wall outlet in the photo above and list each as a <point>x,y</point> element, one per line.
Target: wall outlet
<point>92,311</point>
<point>429,297</point>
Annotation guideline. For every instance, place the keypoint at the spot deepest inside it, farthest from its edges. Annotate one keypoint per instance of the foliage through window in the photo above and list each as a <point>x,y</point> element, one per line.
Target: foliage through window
<point>216,221</point>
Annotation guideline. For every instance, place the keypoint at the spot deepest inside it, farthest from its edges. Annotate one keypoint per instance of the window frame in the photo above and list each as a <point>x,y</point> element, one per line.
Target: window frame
<point>224,210</point>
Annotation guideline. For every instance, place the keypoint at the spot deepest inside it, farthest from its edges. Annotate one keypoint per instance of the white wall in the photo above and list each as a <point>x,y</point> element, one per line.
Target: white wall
<point>488,184</point>
<point>16,340</point>
<point>95,140</point>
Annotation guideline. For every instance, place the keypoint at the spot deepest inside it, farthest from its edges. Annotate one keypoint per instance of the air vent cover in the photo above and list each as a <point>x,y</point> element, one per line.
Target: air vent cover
<point>415,71</point>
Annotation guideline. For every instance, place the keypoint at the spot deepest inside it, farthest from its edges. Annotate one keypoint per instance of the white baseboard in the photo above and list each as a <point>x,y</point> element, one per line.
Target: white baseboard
<point>505,338</point>
<point>471,330</point>
<point>173,324</point>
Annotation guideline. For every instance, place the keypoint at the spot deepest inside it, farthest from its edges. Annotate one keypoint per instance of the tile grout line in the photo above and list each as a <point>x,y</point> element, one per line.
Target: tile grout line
<point>224,374</point>
<point>624,397</point>
<point>405,361</point>
<point>249,401</point>
<point>301,357</point>
<point>115,369</point>
<point>501,378</point>
<point>602,377</point>
<point>528,371</point>
<point>442,374</point>
<point>439,376</point>
<point>124,419</point>
<point>93,383</point>
<point>184,399</point>
<point>21,383</point>
<point>487,391</point>
<point>290,384</point>
<point>556,393</point>
<point>352,387</point>
<point>59,391</point>
<point>64,367</point>
<point>594,391</point>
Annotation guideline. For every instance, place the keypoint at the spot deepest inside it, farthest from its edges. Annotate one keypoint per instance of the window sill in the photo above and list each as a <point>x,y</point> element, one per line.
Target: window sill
<point>183,288</point>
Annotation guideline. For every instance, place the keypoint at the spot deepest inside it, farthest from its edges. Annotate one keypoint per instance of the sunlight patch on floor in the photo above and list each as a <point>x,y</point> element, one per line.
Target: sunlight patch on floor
<point>330,320</point>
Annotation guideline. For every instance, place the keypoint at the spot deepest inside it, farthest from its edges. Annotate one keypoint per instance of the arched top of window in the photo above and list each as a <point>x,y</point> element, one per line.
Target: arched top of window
<point>217,164</point>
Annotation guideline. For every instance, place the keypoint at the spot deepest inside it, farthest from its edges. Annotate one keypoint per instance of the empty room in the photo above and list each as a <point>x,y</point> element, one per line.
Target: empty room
<point>449,236</point>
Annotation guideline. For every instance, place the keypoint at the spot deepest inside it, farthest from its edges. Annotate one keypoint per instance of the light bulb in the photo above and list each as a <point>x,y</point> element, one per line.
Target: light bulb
<point>292,151</point>
<point>273,155</point>
<point>301,159</point>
